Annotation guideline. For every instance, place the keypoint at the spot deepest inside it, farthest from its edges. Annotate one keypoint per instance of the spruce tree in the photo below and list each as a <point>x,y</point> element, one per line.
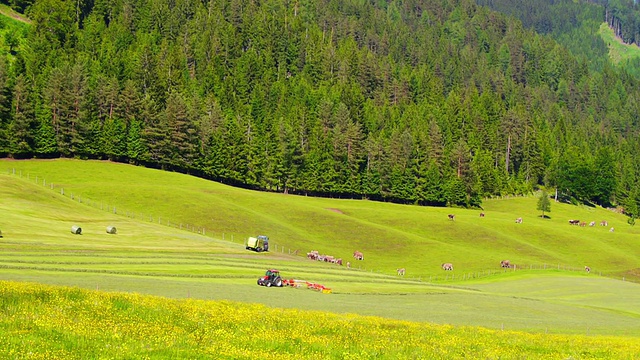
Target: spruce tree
<point>543,203</point>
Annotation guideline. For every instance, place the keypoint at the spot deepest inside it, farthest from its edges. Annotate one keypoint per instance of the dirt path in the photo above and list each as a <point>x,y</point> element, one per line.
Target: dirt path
<point>6,11</point>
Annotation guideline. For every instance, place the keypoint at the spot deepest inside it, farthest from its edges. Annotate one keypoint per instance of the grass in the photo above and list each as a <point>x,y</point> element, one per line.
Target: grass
<point>619,52</point>
<point>70,323</point>
<point>147,256</point>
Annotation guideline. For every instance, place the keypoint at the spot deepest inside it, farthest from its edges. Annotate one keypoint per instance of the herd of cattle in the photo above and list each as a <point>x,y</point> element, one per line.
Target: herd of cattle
<point>315,255</point>
<point>593,223</point>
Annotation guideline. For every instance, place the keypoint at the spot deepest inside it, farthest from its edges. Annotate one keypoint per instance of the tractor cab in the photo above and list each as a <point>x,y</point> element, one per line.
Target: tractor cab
<point>271,278</point>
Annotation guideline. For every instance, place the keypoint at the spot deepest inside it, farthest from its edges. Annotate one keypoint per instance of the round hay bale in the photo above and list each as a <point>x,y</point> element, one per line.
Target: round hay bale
<point>77,230</point>
<point>111,230</point>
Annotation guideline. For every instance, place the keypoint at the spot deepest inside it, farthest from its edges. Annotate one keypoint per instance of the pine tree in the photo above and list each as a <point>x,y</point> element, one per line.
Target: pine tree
<point>544,204</point>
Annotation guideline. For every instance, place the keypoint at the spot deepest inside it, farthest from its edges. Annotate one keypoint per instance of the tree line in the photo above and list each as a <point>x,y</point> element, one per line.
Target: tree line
<point>426,102</point>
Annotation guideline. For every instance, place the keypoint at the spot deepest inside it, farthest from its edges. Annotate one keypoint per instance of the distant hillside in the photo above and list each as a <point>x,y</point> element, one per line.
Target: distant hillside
<point>576,25</point>
<point>416,102</point>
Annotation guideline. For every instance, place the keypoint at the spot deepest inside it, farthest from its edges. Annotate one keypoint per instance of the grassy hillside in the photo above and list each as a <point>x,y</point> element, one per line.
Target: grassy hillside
<point>154,258</point>
<point>619,52</point>
<point>390,235</point>
<point>45,322</point>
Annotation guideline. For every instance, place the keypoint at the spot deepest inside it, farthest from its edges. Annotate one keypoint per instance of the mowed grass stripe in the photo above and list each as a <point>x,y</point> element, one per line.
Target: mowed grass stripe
<point>391,236</point>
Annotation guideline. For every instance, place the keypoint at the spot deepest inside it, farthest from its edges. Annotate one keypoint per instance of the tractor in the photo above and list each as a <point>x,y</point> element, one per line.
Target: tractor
<point>260,243</point>
<point>271,278</point>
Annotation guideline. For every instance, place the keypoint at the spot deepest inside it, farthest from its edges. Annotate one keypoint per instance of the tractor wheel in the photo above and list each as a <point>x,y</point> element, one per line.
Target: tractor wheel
<point>259,282</point>
<point>259,249</point>
<point>279,283</point>
<point>268,283</point>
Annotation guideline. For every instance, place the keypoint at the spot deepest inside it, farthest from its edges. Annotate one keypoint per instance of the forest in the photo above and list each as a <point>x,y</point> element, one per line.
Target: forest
<point>429,102</point>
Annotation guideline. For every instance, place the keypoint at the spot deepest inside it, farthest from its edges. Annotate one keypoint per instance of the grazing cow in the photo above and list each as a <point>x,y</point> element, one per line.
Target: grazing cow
<point>593,223</point>
<point>519,221</point>
<point>505,263</point>
<point>451,217</point>
<point>481,214</point>
<point>400,271</point>
<point>329,258</point>
<point>574,222</point>
<point>447,266</point>
<point>338,261</point>
<point>583,224</point>
<point>348,265</point>
<point>611,230</point>
<point>587,269</point>
<point>358,255</point>
<point>604,223</point>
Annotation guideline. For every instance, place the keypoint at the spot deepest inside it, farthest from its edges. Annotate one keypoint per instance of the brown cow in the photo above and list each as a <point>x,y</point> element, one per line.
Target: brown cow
<point>451,217</point>
<point>519,220</point>
<point>604,223</point>
<point>587,269</point>
<point>447,266</point>
<point>583,224</point>
<point>338,261</point>
<point>481,214</point>
<point>358,255</point>
<point>505,263</point>
<point>400,271</point>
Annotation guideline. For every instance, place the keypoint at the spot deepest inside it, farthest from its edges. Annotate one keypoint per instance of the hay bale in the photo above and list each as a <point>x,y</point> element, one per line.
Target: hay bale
<point>111,230</point>
<point>77,230</point>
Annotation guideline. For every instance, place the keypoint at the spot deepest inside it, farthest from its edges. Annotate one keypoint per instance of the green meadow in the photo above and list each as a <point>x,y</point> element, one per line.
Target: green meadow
<point>619,52</point>
<point>182,237</point>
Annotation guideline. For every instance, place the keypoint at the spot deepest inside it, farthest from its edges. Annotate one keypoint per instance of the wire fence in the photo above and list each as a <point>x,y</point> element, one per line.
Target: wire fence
<point>453,276</point>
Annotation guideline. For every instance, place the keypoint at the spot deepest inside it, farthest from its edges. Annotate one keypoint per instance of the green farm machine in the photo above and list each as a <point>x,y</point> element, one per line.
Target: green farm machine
<point>260,243</point>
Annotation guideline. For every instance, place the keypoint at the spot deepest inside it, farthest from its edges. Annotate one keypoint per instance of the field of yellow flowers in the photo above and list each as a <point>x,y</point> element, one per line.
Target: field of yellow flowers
<point>47,322</point>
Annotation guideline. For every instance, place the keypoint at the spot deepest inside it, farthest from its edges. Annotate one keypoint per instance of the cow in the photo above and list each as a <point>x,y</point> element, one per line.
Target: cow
<point>593,223</point>
<point>329,258</point>
<point>348,265</point>
<point>611,230</point>
<point>583,224</point>
<point>505,263</point>
<point>482,214</point>
<point>574,222</point>
<point>519,220</point>
<point>587,269</point>
<point>604,223</point>
<point>358,255</point>
<point>447,266</point>
<point>400,271</point>
<point>338,261</point>
<point>451,217</point>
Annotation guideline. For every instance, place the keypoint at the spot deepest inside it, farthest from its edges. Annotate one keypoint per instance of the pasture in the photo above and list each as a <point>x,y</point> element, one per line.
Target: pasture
<point>64,323</point>
<point>549,293</point>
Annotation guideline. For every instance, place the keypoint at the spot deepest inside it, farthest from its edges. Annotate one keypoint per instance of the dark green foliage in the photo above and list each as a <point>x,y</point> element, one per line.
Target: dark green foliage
<point>433,103</point>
